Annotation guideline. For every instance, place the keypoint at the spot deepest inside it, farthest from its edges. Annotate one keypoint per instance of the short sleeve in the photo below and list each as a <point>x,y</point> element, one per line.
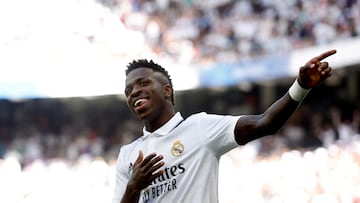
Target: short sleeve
<point>218,132</point>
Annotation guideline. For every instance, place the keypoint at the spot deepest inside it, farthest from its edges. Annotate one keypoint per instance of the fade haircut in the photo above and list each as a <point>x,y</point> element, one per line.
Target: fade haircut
<point>141,63</point>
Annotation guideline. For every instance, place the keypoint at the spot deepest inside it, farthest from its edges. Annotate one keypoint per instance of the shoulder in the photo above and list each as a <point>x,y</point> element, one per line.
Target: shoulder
<point>203,118</point>
<point>197,116</point>
<point>211,116</point>
<point>127,149</point>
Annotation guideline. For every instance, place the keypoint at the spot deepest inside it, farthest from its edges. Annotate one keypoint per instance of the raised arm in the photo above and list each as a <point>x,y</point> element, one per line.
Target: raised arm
<point>251,127</point>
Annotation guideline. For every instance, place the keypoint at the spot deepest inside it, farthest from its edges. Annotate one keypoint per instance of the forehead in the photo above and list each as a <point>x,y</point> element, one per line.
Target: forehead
<point>138,73</point>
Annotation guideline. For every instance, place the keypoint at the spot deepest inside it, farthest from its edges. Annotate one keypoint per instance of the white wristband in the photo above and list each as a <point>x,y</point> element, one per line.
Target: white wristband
<point>297,92</point>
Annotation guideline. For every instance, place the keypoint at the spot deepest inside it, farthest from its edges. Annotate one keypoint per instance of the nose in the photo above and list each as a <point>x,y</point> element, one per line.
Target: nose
<point>136,90</point>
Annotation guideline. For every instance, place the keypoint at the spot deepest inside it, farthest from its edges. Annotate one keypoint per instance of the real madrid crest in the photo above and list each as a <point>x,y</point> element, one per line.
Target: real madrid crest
<point>177,149</point>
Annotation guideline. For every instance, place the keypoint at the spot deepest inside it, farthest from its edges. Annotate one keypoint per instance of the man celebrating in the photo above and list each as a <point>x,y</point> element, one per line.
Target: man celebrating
<point>176,159</point>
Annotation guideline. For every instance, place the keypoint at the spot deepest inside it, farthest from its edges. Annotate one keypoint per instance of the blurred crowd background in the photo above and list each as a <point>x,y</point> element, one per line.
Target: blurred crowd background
<point>64,149</point>
<point>228,30</point>
<point>184,31</point>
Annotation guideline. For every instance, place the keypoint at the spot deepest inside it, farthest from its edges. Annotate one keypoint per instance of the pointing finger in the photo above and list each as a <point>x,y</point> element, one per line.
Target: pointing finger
<point>325,55</point>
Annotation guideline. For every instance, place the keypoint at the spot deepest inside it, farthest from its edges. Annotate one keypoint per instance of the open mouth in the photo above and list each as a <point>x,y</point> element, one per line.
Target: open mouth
<point>139,103</point>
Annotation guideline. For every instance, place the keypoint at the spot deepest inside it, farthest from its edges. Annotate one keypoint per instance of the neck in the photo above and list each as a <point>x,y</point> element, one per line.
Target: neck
<point>154,124</point>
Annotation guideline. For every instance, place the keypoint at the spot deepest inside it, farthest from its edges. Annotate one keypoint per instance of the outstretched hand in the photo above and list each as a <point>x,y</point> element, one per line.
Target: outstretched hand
<point>315,71</point>
<point>145,171</point>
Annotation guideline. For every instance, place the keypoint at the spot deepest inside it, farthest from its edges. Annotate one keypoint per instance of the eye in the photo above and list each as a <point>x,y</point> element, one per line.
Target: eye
<point>144,83</point>
<point>127,91</point>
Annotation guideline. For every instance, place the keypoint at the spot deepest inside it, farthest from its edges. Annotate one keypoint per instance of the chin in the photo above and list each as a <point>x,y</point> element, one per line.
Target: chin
<point>142,115</point>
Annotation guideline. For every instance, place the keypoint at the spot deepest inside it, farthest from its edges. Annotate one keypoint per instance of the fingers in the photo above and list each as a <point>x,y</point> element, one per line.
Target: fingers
<point>157,174</point>
<point>324,55</point>
<point>155,168</point>
<point>315,71</point>
<point>316,61</point>
<point>139,158</point>
<point>146,170</point>
<point>147,159</point>
<point>324,68</point>
<point>151,163</point>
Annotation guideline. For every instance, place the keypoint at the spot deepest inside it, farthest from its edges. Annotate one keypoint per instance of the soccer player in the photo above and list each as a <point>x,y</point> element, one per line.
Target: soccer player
<point>177,159</point>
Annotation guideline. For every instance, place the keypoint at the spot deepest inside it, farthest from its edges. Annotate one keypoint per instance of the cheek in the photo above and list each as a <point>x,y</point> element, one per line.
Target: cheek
<point>159,95</point>
<point>128,103</point>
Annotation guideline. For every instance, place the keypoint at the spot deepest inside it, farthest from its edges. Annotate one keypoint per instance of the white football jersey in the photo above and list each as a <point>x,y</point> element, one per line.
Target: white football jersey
<point>191,149</point>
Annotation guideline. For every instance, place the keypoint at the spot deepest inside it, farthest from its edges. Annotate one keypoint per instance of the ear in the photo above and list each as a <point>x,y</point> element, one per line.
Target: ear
<point>168,91</point>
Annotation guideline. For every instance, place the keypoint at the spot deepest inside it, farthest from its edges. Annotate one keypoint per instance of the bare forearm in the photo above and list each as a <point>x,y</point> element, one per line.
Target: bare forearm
<point>278,113</point>
<point>251,127</point>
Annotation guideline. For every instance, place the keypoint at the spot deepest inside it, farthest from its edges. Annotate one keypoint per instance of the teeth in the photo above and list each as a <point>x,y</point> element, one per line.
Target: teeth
<point>138,102</point>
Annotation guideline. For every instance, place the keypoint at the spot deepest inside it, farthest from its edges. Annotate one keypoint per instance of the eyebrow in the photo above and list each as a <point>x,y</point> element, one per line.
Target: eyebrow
<point>135,81</point>
<point>129,85</point>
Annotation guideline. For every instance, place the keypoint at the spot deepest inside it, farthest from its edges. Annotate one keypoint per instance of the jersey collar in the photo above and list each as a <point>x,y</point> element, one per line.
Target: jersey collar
<point>167,127</point>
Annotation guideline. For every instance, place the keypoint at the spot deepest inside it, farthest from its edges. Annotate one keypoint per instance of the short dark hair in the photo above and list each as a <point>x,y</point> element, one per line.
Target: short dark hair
<point>141,63</point>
